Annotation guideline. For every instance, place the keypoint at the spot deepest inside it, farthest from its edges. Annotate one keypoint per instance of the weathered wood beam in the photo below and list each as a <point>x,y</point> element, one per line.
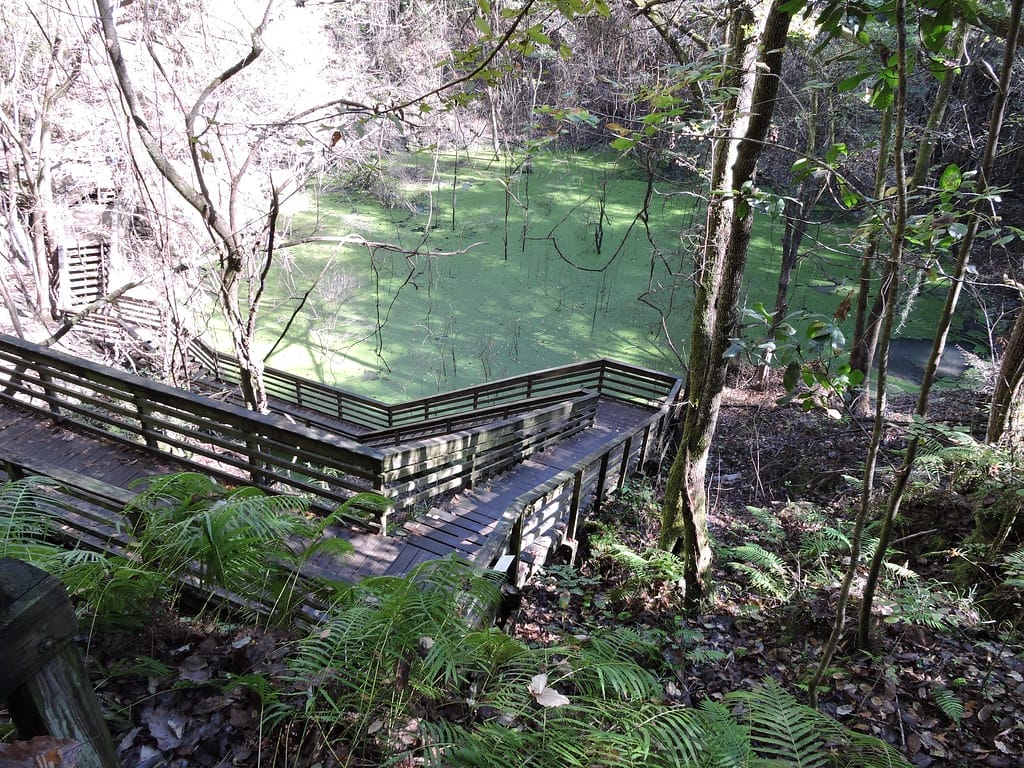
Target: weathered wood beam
<point>47,690</point>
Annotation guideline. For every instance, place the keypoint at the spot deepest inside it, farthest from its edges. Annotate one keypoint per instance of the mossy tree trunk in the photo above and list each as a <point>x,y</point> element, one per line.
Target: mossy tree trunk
<point>756,40</point>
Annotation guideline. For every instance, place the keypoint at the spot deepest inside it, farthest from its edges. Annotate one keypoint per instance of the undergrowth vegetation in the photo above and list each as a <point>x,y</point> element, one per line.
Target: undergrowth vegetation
<point>396,671</point>
<point>603,669</point>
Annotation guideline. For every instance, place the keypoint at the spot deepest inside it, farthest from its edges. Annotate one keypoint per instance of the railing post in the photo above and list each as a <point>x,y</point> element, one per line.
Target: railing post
<point>645,446</point>
<point>257,467</point>
<point>602,475</point>
<point>515,546</point>
<point>624,466</point>
<point>48,394</point>
<point>146,423</point>
<point>44,682</point>
<point>573,524</point>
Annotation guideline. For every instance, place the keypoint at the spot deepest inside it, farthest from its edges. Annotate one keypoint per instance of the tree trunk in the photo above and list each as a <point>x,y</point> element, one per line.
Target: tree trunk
<point>757,37</point>
<point>1005,416</point>
<point>973,218</point>
<point>865,324</point>
<point>227,230</point>
<point>865,335</point>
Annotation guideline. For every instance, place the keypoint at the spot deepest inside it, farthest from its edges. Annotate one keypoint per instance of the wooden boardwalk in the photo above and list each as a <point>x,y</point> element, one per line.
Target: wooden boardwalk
<point>461,527</point>
<point>465,525</point>
<point>495,474</point>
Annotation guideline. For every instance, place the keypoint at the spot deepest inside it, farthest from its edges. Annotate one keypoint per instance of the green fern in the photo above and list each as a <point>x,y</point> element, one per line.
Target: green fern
<point>647,572</point>
<point>785,732</point>
<point>1014,568</point>
<point>242,540</point>
<point>398,673</point>
<point>768,525</point>
<point>952,706</point>
<point>766,571</point>
<point>824,541</point>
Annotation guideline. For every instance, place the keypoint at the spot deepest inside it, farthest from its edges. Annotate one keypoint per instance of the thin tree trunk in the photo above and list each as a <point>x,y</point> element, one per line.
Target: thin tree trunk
<point>865,324</point>
<point>865,335</point>
<point>795,213</point>
<point>1004,416</point>
<point>226,231</point>
<point>887,294</point>
<point>973,221</point>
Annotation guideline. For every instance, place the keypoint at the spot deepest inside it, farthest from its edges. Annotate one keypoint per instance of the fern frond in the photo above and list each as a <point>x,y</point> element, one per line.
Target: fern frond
<point>826,540</point>
<point>766,570</point>
<point>952,706</point>
<point>781,729</point>
<point>679,735</point>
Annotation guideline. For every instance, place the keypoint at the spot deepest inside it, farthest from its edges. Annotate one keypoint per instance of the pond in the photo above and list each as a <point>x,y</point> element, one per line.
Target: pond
<point>492,268</point>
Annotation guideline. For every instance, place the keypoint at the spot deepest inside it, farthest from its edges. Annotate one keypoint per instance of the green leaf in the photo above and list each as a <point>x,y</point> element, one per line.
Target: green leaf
<point>935,29</point>
<point>791,377</point>
<point>951,178</point>
<point>850,197</point>
<point>623,144</point>
<point>883,94</point>
<point>958,229</point>
<point>836,153</point>
<point>802,168</point>
<point>852,82</point>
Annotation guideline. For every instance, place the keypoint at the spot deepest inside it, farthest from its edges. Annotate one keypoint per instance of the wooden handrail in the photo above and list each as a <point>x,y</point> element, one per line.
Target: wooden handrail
<point>609,378</point>
<point>507,535</point>
<point>427,468</point>
<point>449,424</point>
<point>221,439</point>
<point>532,411</point>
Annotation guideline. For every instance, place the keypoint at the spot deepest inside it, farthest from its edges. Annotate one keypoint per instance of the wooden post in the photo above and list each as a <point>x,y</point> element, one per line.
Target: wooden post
<point>47,689</point>
<point>572,527</point>
<point>602,475</point>
<point>515,547</point>
<point>146,422</point>
<point>624,467</point>
<point>50,396</point>
<point>645,446</point>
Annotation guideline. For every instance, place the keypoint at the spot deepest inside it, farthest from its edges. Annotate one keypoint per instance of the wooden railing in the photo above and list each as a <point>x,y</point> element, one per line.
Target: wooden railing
<point>221,439</point>
<point>427,468</point>
<point>450,448</point>
<point>447,425</point>
<point>364,412</point>
<point>541,510</point>
<point>609,378</point>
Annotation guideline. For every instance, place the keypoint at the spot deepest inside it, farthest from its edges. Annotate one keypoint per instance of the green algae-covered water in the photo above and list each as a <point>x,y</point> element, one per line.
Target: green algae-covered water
<point>474,269</point>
